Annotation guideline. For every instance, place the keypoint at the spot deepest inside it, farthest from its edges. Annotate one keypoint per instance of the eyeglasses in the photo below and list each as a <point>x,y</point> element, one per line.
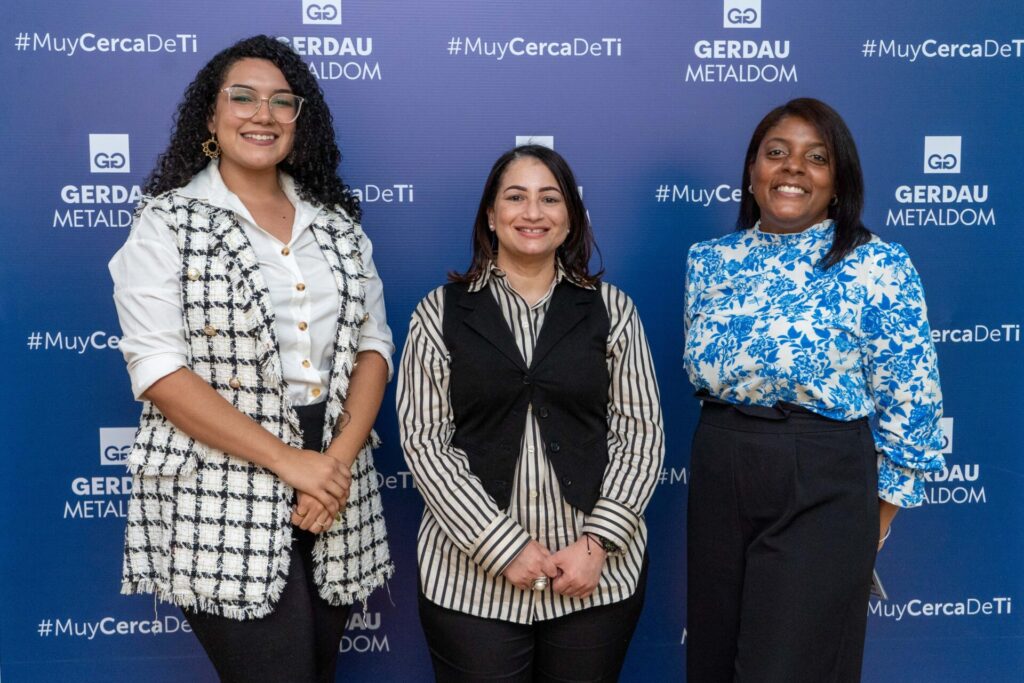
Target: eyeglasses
<point>245,103</point>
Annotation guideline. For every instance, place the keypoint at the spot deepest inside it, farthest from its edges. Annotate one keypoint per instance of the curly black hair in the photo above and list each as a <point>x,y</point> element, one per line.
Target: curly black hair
<point>314,160</point>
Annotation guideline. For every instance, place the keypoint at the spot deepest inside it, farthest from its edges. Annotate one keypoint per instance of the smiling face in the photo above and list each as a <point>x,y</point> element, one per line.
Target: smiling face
<point>792,177</point>
<point>258,143</point>
<point>529,214</point>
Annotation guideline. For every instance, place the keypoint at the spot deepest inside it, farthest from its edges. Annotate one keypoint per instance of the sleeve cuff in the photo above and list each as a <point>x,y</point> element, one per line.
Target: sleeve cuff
<point>901,486</point>
<point>146,372</point>
<point>499,544</point>
<point>613,521</point>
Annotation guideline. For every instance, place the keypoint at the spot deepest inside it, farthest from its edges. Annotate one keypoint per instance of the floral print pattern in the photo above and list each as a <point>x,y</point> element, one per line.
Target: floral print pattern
<point>766,324</point>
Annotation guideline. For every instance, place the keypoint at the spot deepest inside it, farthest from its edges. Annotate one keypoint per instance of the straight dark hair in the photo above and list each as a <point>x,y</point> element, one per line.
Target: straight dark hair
<point>574,253</point>
<point>847,178</point>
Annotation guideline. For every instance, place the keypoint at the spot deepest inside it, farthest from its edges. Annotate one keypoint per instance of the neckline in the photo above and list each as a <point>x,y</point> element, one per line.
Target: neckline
<point>810,233</point>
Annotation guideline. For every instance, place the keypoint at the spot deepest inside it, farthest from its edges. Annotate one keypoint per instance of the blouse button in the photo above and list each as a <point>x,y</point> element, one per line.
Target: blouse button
<point>301,287</point>
<point>315,392</point>
<point>234,383</point>
<point>366,316</point>
<point>285,251</point>
<point>192,274</point>
<point>303,326</point>
<point>210,331</point>
<point>306,363</point>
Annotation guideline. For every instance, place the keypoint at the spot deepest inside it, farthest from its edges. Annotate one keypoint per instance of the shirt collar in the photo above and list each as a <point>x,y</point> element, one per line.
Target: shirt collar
<point>492,272</point>
<point>817,231</point>
<point>208,186</point>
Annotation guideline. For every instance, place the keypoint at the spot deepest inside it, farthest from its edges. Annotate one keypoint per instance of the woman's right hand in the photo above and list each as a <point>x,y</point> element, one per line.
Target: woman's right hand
<point>309,515</point>
<point>321,476</point>
<point>532,562</point>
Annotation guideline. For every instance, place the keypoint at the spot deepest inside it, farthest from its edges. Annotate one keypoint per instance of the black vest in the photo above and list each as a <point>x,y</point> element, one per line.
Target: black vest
<point>567,384</point>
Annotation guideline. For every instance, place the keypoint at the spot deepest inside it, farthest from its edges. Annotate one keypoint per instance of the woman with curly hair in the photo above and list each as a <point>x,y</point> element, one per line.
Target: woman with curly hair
<point>255,337</point>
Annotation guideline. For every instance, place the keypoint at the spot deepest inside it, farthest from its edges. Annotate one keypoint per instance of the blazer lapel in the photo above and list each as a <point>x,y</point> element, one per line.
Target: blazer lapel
<point>569,306</point>
<point>487,321</point>
<point>243,267</point>
<point>341,250</point>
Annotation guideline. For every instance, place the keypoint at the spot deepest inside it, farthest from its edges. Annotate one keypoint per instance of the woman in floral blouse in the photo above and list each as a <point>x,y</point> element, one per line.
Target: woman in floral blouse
<point>808,341</point>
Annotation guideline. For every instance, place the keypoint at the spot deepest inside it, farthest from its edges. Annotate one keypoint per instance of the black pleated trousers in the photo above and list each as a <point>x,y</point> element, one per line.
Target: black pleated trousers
<point>782,533</point>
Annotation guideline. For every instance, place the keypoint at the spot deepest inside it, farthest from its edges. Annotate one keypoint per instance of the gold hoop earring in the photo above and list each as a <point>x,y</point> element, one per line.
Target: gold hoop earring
<point>211,147</point>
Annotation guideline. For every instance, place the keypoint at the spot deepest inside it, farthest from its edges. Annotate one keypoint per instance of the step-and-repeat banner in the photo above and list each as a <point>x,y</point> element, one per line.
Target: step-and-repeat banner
<point>653,104</point>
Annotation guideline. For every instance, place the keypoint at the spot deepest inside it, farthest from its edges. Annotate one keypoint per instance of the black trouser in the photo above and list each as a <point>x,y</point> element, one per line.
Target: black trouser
<point>299,640</point>
<point>782,532</point>
<point>589,645</point>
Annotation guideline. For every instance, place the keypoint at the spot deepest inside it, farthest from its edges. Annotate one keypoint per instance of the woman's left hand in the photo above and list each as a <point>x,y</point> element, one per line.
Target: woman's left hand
<point>886,512</point>
<point>580,568</point>
<point>310,515</point>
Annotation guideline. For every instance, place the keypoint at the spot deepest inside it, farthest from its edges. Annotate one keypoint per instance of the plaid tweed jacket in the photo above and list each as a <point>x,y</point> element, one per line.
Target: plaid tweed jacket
<point>210,531</point>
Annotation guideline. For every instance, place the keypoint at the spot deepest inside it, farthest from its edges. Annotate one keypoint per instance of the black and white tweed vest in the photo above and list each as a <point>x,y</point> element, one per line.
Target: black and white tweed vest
<point>210,531</point>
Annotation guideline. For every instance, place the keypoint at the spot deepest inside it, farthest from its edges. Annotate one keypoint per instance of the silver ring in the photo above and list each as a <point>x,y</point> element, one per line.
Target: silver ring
<point>540,583</point>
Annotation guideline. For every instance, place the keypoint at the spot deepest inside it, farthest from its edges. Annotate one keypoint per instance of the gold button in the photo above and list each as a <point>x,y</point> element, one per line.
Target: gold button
<point>285,251</point>
<point>366,316</point>
<point>303,326</point>
<point>234,383</point>
<point>192,274</point>
<point>209,330</point>
<point>306,363</point>
<point>315,392</point>
<point>301,287</point>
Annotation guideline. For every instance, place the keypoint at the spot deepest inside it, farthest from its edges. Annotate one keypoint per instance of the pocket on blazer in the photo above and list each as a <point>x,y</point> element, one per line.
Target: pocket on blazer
<point>162,450</point>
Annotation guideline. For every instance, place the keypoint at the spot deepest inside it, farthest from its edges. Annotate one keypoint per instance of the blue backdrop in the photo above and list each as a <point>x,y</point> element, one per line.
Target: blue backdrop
<point>653,104</point>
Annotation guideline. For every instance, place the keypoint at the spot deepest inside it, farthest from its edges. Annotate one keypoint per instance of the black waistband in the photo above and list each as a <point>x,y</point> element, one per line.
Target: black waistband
<point>311,420</point>
<point>780,411</point>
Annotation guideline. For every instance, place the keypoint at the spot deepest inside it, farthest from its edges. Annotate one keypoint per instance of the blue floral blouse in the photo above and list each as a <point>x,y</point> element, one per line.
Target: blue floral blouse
<point>764,324</point>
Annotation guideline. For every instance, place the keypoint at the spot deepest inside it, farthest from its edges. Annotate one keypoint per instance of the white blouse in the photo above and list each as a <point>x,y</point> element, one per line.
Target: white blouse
<point>147,292</point>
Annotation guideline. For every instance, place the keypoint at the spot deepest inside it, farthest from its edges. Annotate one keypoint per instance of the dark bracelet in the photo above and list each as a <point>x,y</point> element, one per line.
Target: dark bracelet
<point>606,545</point>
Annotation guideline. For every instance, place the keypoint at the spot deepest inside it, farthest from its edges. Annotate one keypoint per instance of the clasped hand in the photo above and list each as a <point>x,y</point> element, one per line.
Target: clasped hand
<point>321,484</point>
<point>574,571</point>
